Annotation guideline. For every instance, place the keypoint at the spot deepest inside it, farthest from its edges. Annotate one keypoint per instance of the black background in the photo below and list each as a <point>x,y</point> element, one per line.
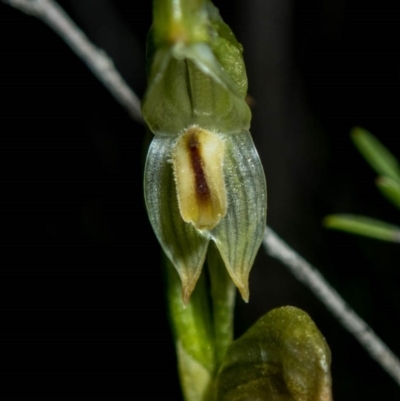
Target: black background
<point>82,298</point>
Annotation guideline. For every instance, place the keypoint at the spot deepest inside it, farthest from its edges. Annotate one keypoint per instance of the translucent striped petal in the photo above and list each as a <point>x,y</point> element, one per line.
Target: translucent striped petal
<point>238,236</point>
<point>185,246</point>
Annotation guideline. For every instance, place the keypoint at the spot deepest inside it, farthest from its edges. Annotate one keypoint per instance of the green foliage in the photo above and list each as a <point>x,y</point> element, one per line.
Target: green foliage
<point>390,188</point>
<point>375,153</point>
<point>283,357</point>
<point>385,164</point>
<point>365,226</point>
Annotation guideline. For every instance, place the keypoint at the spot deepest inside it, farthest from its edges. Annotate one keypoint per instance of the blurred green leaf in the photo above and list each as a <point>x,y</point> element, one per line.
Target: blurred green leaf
<point>365,226</point>
<point>390,188</point>
<point>379,158</point>
<point>283,357</point>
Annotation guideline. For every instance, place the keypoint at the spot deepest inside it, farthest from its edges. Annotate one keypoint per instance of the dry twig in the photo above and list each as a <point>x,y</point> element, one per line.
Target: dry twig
<point>96,59</point>
<point>311,277</point>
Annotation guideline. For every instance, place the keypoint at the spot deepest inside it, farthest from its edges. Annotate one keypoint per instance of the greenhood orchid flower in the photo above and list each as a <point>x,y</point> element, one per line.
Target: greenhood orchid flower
<point>203,177</point>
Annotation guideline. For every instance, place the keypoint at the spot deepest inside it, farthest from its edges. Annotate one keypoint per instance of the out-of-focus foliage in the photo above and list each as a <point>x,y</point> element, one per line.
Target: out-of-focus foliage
<point>388,182</point>
<point>283,357</point>
<point>365,226</point>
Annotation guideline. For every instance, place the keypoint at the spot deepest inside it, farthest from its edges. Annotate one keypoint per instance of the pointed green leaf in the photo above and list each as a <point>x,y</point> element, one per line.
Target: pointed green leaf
<point>182,243</point>
<point>377,155</point>
<point>283,357</point>
<point>390,188</point>
<point>239,235</point>
<point>365,226</point>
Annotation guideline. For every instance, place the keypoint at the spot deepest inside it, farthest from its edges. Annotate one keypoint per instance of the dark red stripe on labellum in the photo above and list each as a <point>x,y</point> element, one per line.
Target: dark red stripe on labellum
<point>202,189</point>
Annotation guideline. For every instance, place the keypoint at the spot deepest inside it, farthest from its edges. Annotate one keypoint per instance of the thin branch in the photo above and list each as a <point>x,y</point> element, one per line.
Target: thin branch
<point>96,59</point>
<point>310,276</point>
<point>103,68</point>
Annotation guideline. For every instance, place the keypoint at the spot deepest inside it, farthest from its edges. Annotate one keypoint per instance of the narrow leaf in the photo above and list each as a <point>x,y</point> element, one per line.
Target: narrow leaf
<point>365,226</point>
<point>390,188</point>
<point>283,357</point>
<point>377,155</point>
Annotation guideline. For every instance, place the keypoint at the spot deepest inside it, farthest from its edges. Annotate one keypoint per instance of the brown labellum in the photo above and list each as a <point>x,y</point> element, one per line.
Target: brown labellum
<point>198,170</point>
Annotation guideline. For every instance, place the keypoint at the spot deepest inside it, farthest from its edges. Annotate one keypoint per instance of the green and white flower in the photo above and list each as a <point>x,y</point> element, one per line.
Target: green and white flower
<point>203,178</point>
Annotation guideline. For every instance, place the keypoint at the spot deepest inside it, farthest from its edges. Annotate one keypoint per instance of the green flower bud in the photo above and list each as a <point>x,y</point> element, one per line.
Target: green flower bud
<point>203,178</point>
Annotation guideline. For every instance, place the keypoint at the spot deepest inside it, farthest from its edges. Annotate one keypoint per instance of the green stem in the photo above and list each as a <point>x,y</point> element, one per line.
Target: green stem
<point>193,335</point>
<point>223,299</point>
<point>183,21</point>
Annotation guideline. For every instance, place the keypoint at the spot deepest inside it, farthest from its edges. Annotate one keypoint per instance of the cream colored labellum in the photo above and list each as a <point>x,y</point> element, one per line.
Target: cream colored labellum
<point>198,170</point>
